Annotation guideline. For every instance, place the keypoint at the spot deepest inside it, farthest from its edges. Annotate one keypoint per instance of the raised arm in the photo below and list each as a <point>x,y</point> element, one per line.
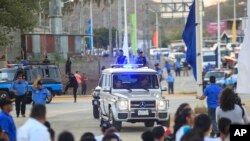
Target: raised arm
<point>36,81</point>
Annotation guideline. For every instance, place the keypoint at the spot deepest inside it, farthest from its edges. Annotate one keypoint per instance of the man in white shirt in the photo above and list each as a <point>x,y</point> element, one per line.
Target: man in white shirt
<point>34,128</point>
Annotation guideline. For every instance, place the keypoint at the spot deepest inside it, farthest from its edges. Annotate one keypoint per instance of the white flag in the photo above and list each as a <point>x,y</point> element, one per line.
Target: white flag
<point>243,82</point>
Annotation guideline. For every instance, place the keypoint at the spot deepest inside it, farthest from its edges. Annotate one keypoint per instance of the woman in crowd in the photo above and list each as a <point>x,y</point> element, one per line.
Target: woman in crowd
<point>183,122</point>
<point>229,109</point>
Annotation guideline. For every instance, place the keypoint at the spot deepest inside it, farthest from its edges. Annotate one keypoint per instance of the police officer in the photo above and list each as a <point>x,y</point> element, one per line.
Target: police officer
<point>159,71</point>
<point>141,59</point>
<point>39,93</point>
<point>121,59</point>
<point>20,89</point>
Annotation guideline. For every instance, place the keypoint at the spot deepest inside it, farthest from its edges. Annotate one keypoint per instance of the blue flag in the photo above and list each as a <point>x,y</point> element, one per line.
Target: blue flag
<point>189,37</point>
<point>89,33</point>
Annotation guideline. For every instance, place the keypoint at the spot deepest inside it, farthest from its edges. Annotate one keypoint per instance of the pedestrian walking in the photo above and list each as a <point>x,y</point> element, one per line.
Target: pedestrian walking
<point>159,71</point>
<point>20,88</point>
<point>84,83</point>
<point>170,80</point>
<point>121,59</point>
<point>39,93</point>
<point>212,92</point>
<point>168,67</point>
<point>72,83</point>
<point>68,66</point>
<point>34,129</point>
<point>178,68</point>
<point>185,68</point>
<point>6,120</point>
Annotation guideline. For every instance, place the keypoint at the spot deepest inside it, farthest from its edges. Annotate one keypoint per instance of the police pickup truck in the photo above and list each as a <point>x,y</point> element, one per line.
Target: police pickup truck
<point>131,94</point>
<point>50,77</point>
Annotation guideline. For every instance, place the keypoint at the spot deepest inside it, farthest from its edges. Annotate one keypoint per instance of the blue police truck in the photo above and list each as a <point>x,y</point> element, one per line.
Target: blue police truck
<point>50,77</point>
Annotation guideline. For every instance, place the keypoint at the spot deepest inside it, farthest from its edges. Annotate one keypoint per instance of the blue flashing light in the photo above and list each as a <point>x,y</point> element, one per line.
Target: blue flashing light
<point>128,66</point>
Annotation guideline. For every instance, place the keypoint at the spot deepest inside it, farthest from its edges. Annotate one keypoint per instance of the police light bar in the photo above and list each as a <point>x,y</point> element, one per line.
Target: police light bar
<point>128,66</point>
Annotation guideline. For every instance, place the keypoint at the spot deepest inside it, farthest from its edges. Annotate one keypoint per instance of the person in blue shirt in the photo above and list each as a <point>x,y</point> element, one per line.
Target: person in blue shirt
<point>170,80</point>
<point>168,67</point>
<point>20,89</point>
<point>141,59</point>
<point>209,67</point>
<point>212,93</point>
<point>6,120</point>
<point>121,59</point>
<point>39,93</point>
<point>178,67</point>
<point>159,71</point>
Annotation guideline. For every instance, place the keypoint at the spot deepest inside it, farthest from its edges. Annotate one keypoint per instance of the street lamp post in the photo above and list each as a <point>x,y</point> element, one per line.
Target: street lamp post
<point>218,34</point>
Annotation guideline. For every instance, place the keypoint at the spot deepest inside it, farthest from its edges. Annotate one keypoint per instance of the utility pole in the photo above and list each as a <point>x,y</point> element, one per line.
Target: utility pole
<point>218,34</point>
<point>148,35</point>
<point>110,30</point>
<point>119,23</point>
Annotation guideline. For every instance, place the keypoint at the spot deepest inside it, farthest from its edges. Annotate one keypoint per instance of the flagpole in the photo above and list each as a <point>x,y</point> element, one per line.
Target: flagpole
<point>135,3</point>
<point>198,46</point>
<point>218,34</point>
<point>125,41</point>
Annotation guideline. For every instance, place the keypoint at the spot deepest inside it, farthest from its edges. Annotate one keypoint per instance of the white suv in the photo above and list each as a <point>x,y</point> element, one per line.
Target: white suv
<point>131,94</point>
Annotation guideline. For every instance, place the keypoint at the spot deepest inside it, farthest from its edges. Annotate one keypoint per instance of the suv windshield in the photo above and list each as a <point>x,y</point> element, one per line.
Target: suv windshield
<point>209,58</point>
<point>7,75</point>
<point>216,74</point>
<point>135,81</point>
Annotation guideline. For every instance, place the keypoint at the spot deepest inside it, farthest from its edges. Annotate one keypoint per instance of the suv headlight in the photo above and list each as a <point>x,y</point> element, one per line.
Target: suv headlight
<point>122,105</point>
<point>162,105</point>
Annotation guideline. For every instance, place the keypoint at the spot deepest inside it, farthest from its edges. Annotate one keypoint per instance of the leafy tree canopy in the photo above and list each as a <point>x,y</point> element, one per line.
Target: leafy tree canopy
<point>18,15</point>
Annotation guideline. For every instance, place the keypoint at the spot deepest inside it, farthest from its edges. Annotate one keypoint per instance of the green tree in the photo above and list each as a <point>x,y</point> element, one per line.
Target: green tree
<point>101,38</point>
<point>17,15</point>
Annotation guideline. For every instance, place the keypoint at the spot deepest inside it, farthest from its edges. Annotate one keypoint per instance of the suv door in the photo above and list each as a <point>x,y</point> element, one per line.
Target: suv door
<point>104,93</point>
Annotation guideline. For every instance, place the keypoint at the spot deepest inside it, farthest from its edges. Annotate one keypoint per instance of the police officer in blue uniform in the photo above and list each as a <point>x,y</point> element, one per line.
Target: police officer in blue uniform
<point>20,89</point>
<point>141,59</point>
<point>39,93</point>
<point>121,59</point>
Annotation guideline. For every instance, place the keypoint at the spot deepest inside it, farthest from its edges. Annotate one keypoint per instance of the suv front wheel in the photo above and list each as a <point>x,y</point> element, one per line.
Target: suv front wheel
<point>4,94</point>
<point>116,124</point>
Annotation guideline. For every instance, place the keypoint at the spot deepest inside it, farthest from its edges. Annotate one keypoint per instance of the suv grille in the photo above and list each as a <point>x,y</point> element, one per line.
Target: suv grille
<point>142,104</point>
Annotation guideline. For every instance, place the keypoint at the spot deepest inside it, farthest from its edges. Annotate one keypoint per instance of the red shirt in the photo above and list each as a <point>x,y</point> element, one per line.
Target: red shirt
<point>84,79</point>
<point>78,78</point>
